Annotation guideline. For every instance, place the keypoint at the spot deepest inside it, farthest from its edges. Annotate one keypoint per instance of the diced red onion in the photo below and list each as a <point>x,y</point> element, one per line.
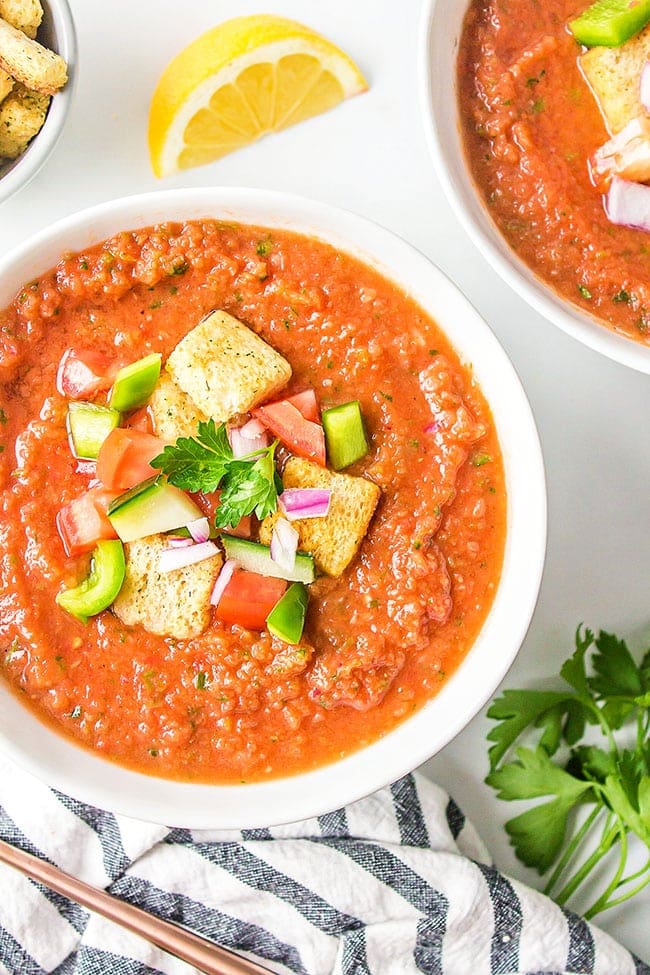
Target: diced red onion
<point>240,446</point>
<point>199,529</point>
<point>223,579</point>
<point>178,558</point>
<point>431,427</point>
<point>644,87</point>
<point>304,503</point>
<point>254,429</point>
<point>242,443</point>
<point>284,544</point>
<point>178,541</point>
<point>628,204</point>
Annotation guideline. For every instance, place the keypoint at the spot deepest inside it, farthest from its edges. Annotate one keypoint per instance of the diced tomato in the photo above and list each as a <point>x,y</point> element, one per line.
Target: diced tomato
<point>209,504</point>
<point>124,457</point>
<point>141,420</point>
<point>249,598</point>
<point>81,375</point>
<point>307,403</point>
<point>84,522</point>
<point>285,421</point>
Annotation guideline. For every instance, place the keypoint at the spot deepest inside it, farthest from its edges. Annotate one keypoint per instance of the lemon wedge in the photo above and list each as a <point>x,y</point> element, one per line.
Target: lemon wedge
<point>239,81</point>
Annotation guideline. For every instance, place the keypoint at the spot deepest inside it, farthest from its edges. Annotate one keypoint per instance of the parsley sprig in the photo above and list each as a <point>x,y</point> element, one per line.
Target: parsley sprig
<point>609,782</point>
<point>206,462</point>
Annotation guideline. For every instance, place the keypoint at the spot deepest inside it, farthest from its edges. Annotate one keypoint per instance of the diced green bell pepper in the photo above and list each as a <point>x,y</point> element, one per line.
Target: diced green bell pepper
<point>135,383</point>
<point>344,434</point>
<point>88,427</point>
<point>609,23</point>
<point>287,618</point>
<point>101,585</point>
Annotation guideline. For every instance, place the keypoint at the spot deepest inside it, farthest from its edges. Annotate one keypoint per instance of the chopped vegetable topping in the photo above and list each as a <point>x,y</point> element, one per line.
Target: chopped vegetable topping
<point>344,434</point>
<point>287,618</point>
<point>609,23</point>
<point>207,462</point>
<point>135,383</point>
<point>248,599</point>
<point>100,587</point>
<point>298,503</point>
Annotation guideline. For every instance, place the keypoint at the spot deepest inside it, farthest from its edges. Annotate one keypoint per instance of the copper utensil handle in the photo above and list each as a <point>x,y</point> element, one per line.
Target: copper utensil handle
<point>203,954</point>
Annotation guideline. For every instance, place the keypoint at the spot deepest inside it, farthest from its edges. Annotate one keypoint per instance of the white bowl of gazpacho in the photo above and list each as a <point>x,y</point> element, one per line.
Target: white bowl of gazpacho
<point>532,134</point>
<point>273,507</point>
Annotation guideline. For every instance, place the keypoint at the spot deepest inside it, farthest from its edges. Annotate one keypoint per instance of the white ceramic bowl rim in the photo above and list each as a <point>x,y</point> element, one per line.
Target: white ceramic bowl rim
<point>18,174</point>
<point>89,777</point>
<point>440,28</point>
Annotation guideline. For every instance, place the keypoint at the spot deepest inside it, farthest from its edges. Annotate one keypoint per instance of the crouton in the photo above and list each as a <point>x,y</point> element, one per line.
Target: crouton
<point>613,74</point>
<point>22,114</point>
<point>174,413</point>
<point>29,62</point>
<point>6,84</point>
<point>225,368</point>
<point>24,15</point>
<point>174,603</point>
<point>335,539</point>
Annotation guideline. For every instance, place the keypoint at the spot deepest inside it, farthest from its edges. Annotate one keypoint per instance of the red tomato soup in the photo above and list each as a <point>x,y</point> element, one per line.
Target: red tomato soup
<point>234,704</point>
<point>531,125</point>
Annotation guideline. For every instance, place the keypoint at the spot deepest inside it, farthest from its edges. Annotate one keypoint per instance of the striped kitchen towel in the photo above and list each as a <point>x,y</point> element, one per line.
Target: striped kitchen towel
<point>397,883</point>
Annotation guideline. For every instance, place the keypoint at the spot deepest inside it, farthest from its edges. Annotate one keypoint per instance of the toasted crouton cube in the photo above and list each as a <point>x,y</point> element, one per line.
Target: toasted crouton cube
<point>335,539</point>
<point>22,114</point>
<point>25,15</point>
<point>174,413</point>
<point>174,603</point>
<point>613,74</point>
<point>226,368</point>
<point>6,84</point>
<point>29,62</point>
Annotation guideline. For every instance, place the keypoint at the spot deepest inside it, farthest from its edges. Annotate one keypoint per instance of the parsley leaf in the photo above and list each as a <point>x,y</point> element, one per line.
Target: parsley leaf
<point>206,462</point>
<point>597,795</point>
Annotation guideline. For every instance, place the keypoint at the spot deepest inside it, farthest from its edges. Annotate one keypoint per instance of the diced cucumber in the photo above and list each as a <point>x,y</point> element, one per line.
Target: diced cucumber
<point>150,507</point>
<point>256,557</point>
<point>344,434</point>
<point>135,383</point>
<point>88,426</point>
<point>100,588</point>
<point>287,618</point>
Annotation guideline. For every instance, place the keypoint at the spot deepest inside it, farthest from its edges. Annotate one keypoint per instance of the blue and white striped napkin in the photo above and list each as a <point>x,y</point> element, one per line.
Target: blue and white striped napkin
<point>395,884</point>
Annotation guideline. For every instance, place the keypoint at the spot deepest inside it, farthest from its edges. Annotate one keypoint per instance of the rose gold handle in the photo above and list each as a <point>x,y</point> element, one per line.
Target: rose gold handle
<point>203,954</point>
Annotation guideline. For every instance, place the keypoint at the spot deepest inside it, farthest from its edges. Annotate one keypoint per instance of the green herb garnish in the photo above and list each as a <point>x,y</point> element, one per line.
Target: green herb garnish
<point>623,297</point>
<point>206,462</point>
<point>585,292</point>
<point>608,783</point>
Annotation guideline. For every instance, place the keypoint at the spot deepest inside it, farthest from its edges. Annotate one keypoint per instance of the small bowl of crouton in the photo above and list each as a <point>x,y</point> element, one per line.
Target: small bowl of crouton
<point>37,57</point>
<point>538,123</point>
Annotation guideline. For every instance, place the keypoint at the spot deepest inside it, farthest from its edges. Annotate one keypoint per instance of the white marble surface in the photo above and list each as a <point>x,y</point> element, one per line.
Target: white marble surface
<point>370,156</point>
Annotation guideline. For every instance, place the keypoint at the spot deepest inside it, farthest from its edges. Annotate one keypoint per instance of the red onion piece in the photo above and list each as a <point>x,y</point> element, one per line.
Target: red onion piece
<point>254,429</point>
<point>644,86</point>
<point>178,558</point>
<point>243,444</point>
<point>628,204</point>
<point>178,541</point>
<point>304,503</point>
<point>199,529</point>
<point>284,544</point>
<point>223,579</point>
<point>431,427</point>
